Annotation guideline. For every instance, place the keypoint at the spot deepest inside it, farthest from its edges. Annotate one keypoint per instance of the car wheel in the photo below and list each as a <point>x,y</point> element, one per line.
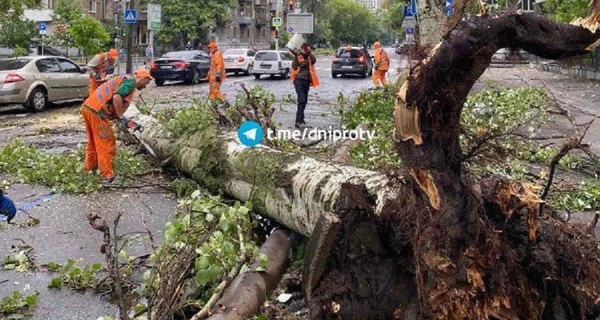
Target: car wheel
<point>38,100</point>
<point>286,74</point>
<point>248,70</point>
<point>159,82</point>
<point>364,74</point>
<point>196,77</point>
<point>257,76</point>
<point>371,72</point>
<point>334,75</point>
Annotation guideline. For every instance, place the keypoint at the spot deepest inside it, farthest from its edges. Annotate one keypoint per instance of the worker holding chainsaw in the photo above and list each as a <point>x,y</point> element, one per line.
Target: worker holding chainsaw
<point>109,102</point>
<point>100,67</point>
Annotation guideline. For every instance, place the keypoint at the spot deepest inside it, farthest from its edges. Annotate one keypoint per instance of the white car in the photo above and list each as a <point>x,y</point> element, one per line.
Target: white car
<point>273,63</point>
<point>238,60</point>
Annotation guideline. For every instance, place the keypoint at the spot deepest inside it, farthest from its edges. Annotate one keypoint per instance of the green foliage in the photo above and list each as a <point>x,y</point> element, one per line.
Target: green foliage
<point>16,305</point>
<point>75,277</point>
<point>63,172</point>
<point>188,18</point>
<point>393,15</point>
<point>205,223</point>
<point>13,9</point>
<point>18,34</point>
<point>183,187</point>
<point>67,13</point>
<point>566,11</point>
<point>19,260</point>
<point>584,198</point>
<point>544,155</point>
<point>492,118</point>
<point>89,35</point>
<point>199,117</point>
<point>375,108</point>
<point>351,22</point>
<point>259,97</point>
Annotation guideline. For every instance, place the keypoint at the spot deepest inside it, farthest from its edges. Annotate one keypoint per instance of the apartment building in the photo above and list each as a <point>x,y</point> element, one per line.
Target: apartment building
<point>373,5</point>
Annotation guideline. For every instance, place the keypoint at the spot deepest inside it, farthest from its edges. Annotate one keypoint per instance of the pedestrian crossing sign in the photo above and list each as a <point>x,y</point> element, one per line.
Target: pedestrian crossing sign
<point>130,16</point>
<point>277,22</point>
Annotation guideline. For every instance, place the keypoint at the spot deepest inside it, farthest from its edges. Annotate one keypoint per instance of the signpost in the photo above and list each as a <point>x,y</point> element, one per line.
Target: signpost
<point>154,23</point>
<point>276,23</point>
<point>449,7</point>
<point>42,28</point>
<point>300,23</point>
<point>130,16</point>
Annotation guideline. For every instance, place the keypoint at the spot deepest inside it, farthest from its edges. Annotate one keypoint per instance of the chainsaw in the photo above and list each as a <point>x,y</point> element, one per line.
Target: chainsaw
<point>136,131</point>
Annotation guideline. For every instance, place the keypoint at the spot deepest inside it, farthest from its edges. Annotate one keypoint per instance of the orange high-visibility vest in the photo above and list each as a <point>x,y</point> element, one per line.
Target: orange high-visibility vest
<point>103,64</point>
<point>381,59</point>
<point>314,80</point>
<point>101,100</point>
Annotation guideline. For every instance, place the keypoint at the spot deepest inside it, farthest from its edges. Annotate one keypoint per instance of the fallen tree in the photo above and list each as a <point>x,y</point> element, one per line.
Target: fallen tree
<point>427,242</point>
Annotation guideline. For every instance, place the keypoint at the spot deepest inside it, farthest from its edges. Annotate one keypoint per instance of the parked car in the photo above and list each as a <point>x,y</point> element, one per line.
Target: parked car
<point>238,60</point>
<point>188,66</point>
<point>38,81</point>
<point>273,63</point>
<point>356,61</point>
<point>404,47</point>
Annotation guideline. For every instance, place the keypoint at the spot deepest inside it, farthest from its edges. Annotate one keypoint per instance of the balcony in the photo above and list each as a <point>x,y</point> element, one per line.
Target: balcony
<point>244,21</point>
<point>273,6</point>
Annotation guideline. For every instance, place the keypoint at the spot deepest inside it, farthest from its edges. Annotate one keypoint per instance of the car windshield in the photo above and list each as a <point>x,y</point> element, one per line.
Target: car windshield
<point>266,56</point>
<point>343,53</point>
<point>13,64</point>
<point>186,55</point>
<point>234,52</point>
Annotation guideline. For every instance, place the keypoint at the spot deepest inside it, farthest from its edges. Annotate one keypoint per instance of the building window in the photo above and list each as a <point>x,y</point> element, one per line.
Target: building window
<point>92,6</point>
<point>142,34</point>
<point>527,5</point>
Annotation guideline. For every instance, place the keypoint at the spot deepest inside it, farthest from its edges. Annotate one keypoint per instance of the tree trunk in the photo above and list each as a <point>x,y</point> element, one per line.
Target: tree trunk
<point>430,16</point>
<point>428,244</point>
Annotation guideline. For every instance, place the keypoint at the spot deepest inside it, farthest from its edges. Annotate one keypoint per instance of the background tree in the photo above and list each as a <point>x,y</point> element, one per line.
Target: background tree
<point>565,10</point>
<point>14,8</point>
<point>89,35</point>
<point>18,35</point>
<point>351,22</point>
<point>392,13</point>
<point>187,19</point>
<point>66,13</point>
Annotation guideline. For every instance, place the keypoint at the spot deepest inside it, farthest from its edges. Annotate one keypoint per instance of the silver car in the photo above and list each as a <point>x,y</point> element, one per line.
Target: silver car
<point>37,81</point>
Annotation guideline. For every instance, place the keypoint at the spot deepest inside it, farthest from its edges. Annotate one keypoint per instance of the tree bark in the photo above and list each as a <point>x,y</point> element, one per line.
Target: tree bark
<point>429,243</point>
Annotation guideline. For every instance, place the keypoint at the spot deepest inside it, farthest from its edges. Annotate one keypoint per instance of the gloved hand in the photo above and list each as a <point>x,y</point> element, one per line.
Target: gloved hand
<point>131,124</point>
<point>96,75</point>
<point>110,70</point>
<point>376,67</point>
<point>218,78</point>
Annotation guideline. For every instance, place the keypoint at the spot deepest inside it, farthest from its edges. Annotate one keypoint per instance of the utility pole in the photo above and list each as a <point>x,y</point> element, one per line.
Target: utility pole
<point>116,9</point>
<point>278,14</point>
<point>252,25</point>
<point>131,33</point>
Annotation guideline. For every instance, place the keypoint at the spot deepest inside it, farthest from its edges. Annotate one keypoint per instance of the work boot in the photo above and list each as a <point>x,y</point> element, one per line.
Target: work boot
<point>110,180</point>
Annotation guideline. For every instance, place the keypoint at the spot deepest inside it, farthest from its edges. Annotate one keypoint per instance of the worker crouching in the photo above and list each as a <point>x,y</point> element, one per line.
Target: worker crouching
<point>109,102</point>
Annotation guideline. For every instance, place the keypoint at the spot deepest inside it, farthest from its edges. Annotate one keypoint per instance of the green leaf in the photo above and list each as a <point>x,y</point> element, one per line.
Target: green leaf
<point>56,283</point>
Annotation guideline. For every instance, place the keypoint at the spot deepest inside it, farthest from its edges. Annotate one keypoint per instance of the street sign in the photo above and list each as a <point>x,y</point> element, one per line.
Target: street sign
<point>277,22</point>
<point>130,16</point>
<point>154,17</point>
<point>410,31</point>
<point>42,27</point>
<point>300,22</point>
<point>413,7</point>
<point>407,11</point>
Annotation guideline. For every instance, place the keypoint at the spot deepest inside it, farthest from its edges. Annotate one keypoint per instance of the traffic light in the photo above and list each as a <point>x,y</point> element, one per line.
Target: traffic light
<point>291,4</point>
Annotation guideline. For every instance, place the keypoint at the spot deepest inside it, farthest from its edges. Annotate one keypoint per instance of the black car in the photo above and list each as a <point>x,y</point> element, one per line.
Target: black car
<point>355,61</point>
<point>188,66</point>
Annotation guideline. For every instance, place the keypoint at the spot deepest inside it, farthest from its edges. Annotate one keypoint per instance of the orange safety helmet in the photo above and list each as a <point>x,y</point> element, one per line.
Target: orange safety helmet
<point>212,45</point>
<point>376,45</point>
<point>113,53</point>
<point>142,73</point>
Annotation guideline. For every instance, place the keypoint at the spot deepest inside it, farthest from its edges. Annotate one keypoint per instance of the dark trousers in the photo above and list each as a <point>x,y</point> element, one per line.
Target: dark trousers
<point>302,86</point>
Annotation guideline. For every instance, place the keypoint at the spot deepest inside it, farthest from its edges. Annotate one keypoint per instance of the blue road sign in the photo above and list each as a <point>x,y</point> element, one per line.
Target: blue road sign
<point>449,7</point>
<point>407,12</point>
<point>130,16</point>
<point>42,26</point>
<point>410,31</point>
<point>413,6</point>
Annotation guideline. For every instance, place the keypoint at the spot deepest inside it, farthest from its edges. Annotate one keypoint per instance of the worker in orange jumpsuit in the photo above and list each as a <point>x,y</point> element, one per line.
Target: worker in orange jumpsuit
<point>102,65</point>
<point>216,73</point>
<point>109,102</point>
<point>382,64</point>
